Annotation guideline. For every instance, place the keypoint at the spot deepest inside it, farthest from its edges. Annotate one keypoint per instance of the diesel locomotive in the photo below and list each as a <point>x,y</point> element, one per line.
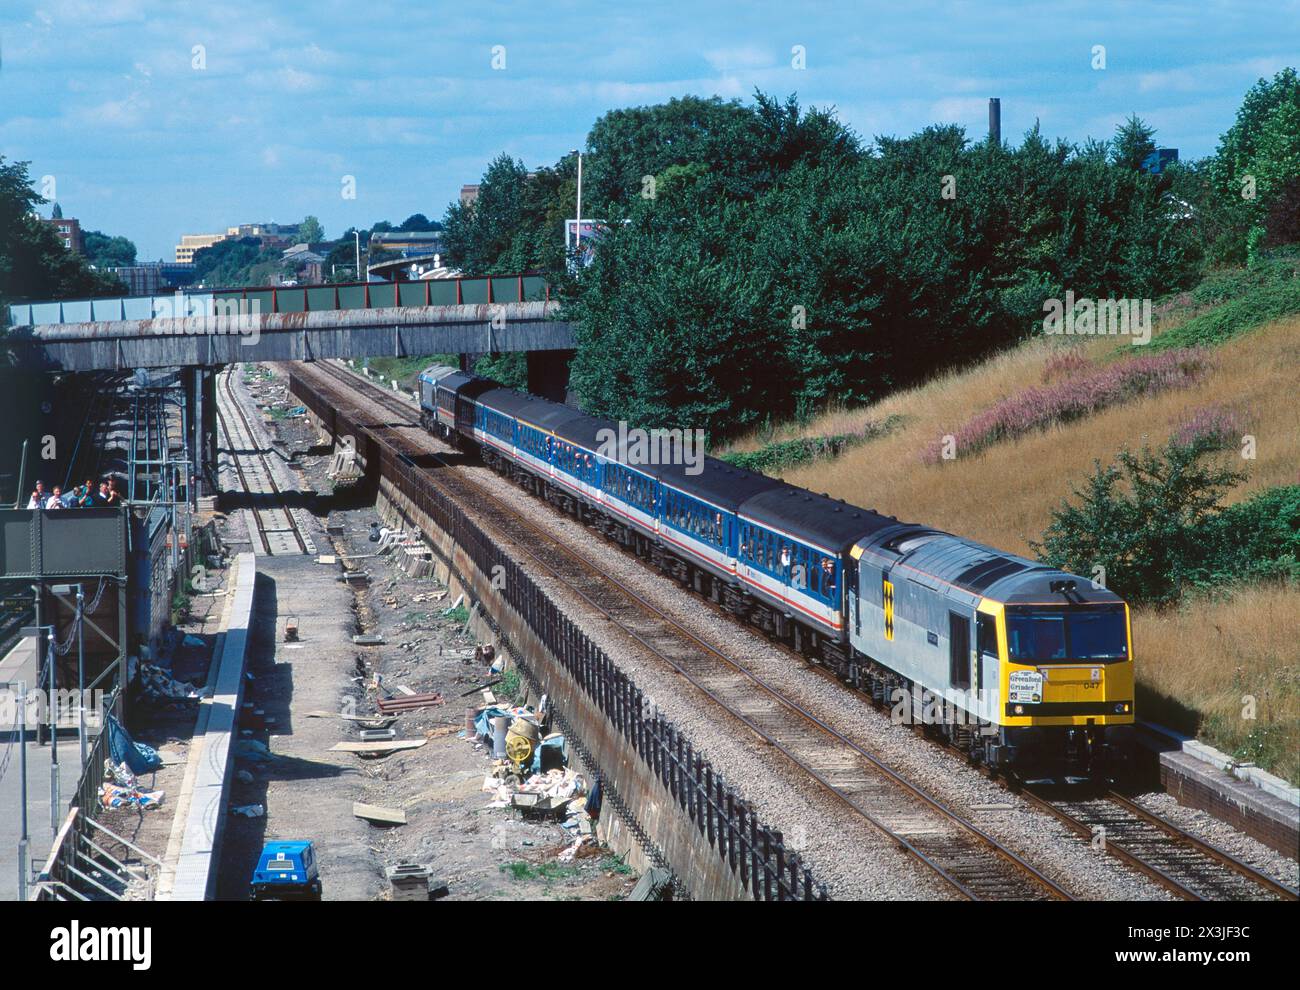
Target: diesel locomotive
<point>1025,667</point>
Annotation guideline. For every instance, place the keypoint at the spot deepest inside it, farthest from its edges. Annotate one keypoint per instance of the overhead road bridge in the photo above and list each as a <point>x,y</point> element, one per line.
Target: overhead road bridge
<point>294,323</point>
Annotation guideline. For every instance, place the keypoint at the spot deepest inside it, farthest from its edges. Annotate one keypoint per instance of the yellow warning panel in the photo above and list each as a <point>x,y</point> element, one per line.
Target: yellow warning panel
<point>887,593</point>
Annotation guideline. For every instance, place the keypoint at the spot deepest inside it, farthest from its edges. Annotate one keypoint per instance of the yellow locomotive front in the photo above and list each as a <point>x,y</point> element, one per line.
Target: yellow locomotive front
<point>1067,679</point>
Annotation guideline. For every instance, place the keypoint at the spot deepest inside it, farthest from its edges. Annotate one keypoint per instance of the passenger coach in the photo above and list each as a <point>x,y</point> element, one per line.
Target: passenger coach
<point>1019,664</point>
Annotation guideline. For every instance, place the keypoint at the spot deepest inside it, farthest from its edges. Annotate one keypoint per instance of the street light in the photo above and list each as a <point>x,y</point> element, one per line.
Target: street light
<point>577,234</point>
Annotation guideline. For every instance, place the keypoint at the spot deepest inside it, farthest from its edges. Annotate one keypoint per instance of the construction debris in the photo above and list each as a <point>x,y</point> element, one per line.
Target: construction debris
<point>408,703</point>
<point>377,748</point>
<point>377,815</point>
<point>116,796</point>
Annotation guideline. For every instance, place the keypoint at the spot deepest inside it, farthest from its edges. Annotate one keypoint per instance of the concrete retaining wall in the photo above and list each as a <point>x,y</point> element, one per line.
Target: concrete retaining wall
<point>195,876</point>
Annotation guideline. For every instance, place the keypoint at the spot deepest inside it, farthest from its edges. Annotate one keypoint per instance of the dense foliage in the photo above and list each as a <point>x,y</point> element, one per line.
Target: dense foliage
<point>106,251</point>
<point>760,261</point>
<point>1154,522</point>
<point>34,264</point>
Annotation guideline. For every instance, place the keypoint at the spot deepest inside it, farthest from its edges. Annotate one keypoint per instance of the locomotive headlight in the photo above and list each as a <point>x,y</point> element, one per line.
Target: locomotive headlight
<point>1019,709</point>
<point>1121,708</point>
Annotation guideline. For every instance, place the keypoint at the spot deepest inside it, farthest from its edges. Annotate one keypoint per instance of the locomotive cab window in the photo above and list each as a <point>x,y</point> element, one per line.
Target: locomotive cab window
<point>1087,632</point>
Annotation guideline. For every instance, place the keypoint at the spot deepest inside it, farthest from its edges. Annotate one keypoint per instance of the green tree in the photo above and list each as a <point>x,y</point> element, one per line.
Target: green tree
<point>34,264</point>
<point>1142,520</point>
<point>1257,165</point>
<point>1134,142</point>
<point>105,251</point>
<point>310,231</point>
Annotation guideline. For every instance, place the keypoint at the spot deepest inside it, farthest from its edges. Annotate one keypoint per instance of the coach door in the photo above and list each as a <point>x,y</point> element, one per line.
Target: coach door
<point>958,650</point>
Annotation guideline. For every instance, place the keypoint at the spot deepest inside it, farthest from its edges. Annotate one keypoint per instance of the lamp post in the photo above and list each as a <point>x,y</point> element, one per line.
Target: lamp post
<point>356,234</point>
<point>577,234</point>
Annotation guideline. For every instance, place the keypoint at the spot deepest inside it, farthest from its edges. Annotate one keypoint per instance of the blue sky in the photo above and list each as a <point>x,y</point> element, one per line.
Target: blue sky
<point>104,95</point>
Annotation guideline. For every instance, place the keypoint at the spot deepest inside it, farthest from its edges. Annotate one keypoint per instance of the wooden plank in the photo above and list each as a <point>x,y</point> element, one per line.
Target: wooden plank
<point>374,813</point>
<point>388,746</point>
<point>382,719</point>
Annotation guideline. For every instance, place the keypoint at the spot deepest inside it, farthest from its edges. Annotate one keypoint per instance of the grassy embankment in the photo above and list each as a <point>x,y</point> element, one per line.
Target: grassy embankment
<point>1196,661</point>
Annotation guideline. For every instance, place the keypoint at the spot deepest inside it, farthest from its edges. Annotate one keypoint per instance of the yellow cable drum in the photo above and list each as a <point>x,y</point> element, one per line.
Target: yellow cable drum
<point>521,741</point>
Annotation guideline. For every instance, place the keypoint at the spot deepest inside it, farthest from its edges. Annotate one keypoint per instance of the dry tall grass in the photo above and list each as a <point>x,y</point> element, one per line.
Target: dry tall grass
<point>1003,496</point>
<point>1206,662</point>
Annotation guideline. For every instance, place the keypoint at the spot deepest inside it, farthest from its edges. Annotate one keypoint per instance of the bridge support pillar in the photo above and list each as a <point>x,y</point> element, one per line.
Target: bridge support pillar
<point>201,398</point>
<point>548,374</point>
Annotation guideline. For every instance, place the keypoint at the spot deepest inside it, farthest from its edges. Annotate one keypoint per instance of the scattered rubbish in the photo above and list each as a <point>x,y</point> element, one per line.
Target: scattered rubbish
<point>291,629</point>
<point>138,757</point>
<point>116,796</point>
<point>575,850</point>
<point>119,774</point>
<point>406,690</point>
<point>482,687</point>
<point>377,735</point>
<point>249,811</point>
<point>556,792</point>
<point>368,639</point>
<point>327,558</point>
<point>380,816</point>
<point>252,749</point>
<point>156,684</point>
<point>192,641</point>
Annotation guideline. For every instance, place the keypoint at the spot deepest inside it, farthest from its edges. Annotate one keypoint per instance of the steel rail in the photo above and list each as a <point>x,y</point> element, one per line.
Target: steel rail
<point>266,467</point>
<point>965,827</point>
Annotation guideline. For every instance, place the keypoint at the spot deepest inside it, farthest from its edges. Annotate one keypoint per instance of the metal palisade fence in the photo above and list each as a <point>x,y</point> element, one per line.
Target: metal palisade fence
<point>755,853</point>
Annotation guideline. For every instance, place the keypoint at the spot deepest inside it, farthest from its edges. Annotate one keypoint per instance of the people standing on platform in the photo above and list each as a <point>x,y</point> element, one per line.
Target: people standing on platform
<point>105,496</point>
<point>83,496</point>
<point>55,501</point>
<point>39,496</point>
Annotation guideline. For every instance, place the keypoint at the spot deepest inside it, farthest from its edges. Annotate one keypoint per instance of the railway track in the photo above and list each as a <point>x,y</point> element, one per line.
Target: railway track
<point>1191,868</point>
<point>274,524</point>
<point>972,862</point>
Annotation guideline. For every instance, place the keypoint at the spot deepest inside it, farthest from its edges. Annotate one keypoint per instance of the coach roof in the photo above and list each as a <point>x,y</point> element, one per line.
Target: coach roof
<point>818,519</point>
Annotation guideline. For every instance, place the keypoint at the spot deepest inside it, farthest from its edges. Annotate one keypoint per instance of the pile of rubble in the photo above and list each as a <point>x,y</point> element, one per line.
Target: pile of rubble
<point>530,772</point>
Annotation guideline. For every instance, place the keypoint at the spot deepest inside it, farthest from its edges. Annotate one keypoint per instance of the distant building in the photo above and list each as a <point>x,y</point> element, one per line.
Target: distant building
<point>191,243</point>
<point>468,194</point>
<point>1156,161</point>
<point>270,235</point>
<point>69,231</point>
